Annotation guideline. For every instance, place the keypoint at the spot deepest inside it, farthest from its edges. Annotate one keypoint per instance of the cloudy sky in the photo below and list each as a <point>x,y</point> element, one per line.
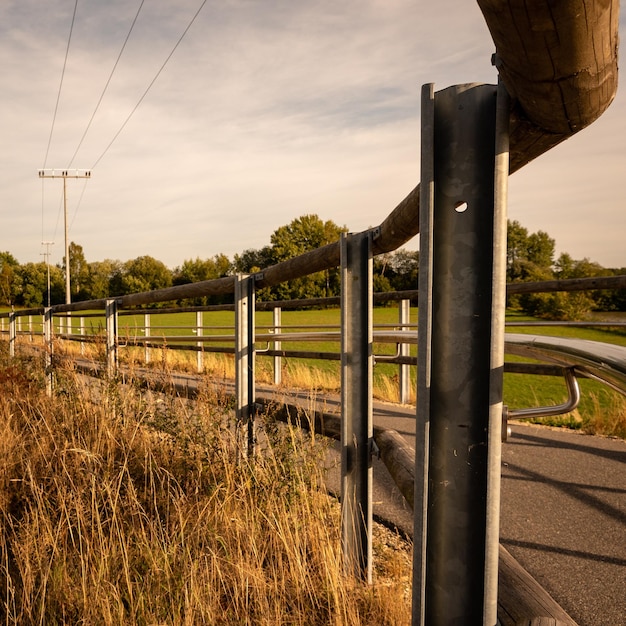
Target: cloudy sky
<point>265,111</point>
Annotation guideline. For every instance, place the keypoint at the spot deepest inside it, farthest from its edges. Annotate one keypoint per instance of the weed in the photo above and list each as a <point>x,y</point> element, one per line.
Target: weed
<point>123,506</point>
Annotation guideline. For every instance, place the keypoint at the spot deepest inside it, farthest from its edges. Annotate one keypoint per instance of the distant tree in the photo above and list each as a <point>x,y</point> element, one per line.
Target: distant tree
<point>79,271</point>
<point>9,284</point>
<point>101,277</point>
<point>528,254</point>
<point>33,285</point>
<point>193,271</point>
<point>516,253</point>
<point>144,273</point>
<point>251,260</point>
<point>396,271</point>
<point>404,269</point>
<point>530,258</point>
<point>573,305</point>
<point>303,234</point>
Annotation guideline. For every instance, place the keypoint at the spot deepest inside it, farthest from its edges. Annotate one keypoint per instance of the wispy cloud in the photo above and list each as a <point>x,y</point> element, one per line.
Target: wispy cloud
<point>265,112</point>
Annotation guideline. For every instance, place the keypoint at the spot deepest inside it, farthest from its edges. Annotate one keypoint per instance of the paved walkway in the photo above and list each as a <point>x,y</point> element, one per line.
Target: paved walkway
<point>563,518</point>
<point>563,512</point>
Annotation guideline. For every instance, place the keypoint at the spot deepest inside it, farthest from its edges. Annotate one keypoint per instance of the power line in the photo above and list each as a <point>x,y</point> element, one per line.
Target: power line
<point>106,86</point>
<point>56,108</point>
<point>80,199</point>
<point>145,93</point>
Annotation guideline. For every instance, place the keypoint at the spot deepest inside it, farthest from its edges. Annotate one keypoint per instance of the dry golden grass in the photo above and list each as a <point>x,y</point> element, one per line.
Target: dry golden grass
<point>123,507</point>
<point>610,420</point>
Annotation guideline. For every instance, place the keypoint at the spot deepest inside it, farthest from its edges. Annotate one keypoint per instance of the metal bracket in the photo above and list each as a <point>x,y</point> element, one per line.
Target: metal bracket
<point>387,357</point>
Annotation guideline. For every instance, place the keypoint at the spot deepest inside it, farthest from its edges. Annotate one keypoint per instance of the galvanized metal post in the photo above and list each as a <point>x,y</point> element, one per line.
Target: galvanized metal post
<point>244,362</point>
<point>199,344</point>
<point>12,333</point>
<point>110,312</point>
<point>146,333</point>
<point>460,347</point>
<point>48,334</point>
<point>278,362</point>
<point>404,349</point>
<point>356,403</point>
<point>498,323</point>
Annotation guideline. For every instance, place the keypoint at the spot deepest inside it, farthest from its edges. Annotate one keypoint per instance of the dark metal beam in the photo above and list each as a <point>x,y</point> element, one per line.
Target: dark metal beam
<point>460,347</point>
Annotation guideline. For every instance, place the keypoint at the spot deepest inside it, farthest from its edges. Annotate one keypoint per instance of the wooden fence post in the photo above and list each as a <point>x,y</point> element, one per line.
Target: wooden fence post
<point>404,370</point>
<point>278,362</point>
<point>48,335</point>
<point>146,334</point>
<point>12,333</point>
<point>199,344</point>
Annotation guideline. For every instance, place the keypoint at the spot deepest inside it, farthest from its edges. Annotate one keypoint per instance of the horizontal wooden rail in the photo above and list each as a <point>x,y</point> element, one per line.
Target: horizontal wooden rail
<point>570,284</point>
<point>547,286</point>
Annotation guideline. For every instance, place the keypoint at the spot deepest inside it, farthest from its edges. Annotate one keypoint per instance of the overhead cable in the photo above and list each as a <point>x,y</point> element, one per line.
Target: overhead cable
<point>145,93</point>
<point>106,86</point>
<point>56,108</point>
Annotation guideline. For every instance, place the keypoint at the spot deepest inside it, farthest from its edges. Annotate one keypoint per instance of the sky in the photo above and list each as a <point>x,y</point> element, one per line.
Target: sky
<point>264,112</point>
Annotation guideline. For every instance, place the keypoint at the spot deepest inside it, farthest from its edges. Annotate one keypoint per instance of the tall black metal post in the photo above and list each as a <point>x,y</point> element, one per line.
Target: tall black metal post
<point>460,346</point>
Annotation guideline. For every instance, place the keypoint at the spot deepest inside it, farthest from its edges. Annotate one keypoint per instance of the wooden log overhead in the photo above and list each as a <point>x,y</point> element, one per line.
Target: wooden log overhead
<point>558,60</point>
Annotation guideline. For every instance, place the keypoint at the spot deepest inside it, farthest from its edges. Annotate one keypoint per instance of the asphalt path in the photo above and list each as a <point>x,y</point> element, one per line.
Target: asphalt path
<point>563,517</point>
<point>563,511</point>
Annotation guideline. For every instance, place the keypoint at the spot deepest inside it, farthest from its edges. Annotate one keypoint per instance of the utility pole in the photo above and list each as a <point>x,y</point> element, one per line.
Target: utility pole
<point>65,174</point>
<point>46,254</point>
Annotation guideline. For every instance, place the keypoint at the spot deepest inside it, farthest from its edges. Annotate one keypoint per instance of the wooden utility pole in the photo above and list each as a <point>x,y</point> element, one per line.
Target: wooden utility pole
<point>65,174</point>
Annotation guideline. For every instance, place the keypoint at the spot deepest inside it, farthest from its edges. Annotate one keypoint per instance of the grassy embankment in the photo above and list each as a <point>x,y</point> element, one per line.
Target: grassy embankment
<point>122,507</point>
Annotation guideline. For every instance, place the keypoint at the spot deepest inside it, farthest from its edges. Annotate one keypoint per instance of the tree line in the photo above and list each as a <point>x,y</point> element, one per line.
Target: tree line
<point>530,257</point>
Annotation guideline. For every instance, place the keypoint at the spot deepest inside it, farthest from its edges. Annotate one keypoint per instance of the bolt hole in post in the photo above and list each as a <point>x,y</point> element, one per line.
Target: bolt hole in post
<point>461,206</point>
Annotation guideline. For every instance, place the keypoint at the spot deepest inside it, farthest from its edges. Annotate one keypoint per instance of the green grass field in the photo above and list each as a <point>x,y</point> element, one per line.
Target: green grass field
<point>601,409</point>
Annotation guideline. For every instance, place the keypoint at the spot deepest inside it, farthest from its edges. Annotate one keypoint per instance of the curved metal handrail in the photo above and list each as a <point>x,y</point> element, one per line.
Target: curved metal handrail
<point>603,361</point>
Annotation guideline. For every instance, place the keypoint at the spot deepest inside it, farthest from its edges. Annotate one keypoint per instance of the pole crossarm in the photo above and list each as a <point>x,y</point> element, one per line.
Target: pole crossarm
<point>64,173</point>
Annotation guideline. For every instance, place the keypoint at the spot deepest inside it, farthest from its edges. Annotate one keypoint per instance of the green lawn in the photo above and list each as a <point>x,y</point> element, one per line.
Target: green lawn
<point>520,391</point>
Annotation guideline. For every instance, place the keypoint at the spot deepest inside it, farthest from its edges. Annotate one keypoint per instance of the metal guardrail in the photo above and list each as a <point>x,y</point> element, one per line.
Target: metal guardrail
<point>602,361</point>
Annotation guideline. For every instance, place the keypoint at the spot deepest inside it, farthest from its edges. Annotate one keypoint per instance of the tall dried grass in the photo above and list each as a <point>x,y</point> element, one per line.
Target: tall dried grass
<point>123,507</point>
